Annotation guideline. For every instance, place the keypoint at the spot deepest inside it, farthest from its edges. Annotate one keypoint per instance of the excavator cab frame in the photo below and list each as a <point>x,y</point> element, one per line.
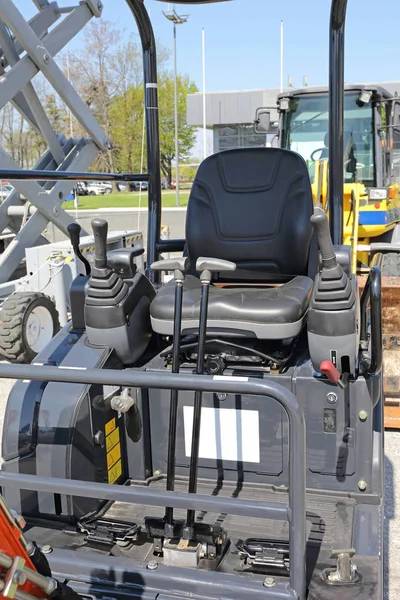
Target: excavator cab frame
<point>253,404</point>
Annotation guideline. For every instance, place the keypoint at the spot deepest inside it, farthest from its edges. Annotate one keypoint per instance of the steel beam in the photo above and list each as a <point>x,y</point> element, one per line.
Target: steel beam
<point>31,97</point>
<point>48,205</point>
<point>42,57</point>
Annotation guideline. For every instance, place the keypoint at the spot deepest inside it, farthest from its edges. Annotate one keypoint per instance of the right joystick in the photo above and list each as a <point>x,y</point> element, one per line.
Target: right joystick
<point>319,221</point>
<point>332,320</point>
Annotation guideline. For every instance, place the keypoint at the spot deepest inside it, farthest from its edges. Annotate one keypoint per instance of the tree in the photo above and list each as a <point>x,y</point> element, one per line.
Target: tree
<point>186,133</point>
<point>109,77</point>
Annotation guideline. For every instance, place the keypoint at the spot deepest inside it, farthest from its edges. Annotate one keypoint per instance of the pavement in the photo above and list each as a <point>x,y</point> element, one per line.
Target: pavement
<point>392,504</point>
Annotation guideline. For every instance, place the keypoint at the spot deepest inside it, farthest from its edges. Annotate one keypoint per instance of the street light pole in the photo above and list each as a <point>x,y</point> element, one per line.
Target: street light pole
<point>281,56</point>
<point>204,97</point>
<point>176,121</point>
<point>176,19</point>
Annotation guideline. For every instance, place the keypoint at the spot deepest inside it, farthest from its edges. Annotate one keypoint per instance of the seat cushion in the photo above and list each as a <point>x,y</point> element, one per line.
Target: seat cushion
<point>266,313</point>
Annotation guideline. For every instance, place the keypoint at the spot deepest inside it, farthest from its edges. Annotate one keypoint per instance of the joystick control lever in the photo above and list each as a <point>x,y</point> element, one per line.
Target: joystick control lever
<point>333,312</point>
<point>74,231</point>
<point>100,230</point>
<point>116,314</point>
<point>319,221</point>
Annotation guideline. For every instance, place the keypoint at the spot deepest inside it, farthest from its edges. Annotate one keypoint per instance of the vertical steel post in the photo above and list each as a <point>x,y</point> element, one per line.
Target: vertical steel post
<point>336,118</point>
<point>152,131</point>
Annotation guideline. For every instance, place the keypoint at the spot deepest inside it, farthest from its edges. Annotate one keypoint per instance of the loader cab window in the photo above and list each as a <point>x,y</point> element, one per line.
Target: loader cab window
<point>305,130</point>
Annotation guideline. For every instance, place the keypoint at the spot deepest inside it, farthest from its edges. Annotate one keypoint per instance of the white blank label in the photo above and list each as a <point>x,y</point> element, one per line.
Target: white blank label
<point>225,434</point>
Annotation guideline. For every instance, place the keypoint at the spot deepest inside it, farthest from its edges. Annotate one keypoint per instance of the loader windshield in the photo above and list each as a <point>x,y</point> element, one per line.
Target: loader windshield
<point>305,130</point>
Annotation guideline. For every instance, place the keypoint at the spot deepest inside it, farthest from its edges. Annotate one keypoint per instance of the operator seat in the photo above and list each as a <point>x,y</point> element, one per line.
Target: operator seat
<point>252,207</point>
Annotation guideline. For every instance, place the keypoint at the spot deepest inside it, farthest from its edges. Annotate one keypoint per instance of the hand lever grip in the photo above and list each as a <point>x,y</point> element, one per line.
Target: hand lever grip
<point>74,231</point>
<point>100,230</point>
<point>331,372</point>
<point>320,223</point>
<point>171,264</point>
<point>214,265</point>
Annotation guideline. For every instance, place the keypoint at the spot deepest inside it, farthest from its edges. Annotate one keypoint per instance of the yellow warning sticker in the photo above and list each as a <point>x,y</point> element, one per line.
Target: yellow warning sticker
<point>115,472</point>
<point>110,426</point>
<point>112,440</point>
<point>113,456</point>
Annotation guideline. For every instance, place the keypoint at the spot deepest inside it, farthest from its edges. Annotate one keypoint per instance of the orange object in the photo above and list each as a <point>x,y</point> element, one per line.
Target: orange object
<point>14,546</point>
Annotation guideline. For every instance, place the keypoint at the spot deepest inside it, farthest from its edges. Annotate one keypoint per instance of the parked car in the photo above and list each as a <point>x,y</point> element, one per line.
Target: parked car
<point>81,188</point>
<point>99,188</point>
<point>5,191</point>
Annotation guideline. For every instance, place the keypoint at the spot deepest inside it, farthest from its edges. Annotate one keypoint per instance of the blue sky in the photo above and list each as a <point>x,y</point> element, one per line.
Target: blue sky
<point>242,40</point>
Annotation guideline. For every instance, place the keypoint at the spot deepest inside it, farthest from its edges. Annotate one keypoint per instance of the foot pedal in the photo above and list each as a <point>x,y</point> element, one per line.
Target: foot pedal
<point>108,531</point>
<point>261,553</point>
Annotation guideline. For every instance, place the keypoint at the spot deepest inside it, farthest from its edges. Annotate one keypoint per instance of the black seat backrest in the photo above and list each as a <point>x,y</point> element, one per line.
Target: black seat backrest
<point>252,206</point>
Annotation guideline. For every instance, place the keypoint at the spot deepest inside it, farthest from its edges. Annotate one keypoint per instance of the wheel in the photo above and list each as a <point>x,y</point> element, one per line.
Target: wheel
<point>92,193</point>
<point>28,321</point>
<point>108,190</point>
<point>391,265</point>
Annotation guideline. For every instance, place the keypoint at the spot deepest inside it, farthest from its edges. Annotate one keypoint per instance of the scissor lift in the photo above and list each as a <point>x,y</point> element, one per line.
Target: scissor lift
<point>28,48</point>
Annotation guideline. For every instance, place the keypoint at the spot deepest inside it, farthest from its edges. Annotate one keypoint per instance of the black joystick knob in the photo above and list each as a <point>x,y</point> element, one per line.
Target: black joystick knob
<point>320,223</point>
<point>100,230</point>
<point>74,232</point>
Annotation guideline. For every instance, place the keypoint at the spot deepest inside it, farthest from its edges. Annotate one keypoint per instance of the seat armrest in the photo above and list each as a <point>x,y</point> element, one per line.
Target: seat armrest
<point>122,261</point>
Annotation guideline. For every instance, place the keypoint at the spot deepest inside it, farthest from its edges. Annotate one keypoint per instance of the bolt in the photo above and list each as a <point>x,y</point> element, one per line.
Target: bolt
<point>47,549</point>
<point>152,565</point>
<point>332,398</point>
<point>56,211</point>
<point>362,485</point>
<point>363,415</point>
<point>222,396</point>
<point>269,582</point>
<point>98,438</point>
<point>157,473</point>
<point>46,58</point>
<point>19,578</point>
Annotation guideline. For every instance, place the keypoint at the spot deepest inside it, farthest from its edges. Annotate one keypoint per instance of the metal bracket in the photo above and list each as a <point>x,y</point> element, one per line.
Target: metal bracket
<point>346,571</point>
<point>96,6</point>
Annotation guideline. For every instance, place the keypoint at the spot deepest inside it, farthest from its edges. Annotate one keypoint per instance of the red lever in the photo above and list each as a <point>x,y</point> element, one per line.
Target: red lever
<point>329,369</point>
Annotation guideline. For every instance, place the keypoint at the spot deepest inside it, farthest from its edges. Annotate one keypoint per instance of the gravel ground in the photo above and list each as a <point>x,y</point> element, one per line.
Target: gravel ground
<point>392,507</point>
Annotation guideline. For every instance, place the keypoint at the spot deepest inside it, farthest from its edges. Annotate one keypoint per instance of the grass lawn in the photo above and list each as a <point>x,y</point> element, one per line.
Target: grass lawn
<point>125,200</point>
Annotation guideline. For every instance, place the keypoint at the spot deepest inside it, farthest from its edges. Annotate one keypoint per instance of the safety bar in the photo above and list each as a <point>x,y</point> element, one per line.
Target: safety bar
<point>294,512</point>
<point>372,293</point>
<point>336,118</point>
<point>26,174</point>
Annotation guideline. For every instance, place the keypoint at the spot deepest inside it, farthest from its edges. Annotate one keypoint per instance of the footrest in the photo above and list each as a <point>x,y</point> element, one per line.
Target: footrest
<point>109,531</point>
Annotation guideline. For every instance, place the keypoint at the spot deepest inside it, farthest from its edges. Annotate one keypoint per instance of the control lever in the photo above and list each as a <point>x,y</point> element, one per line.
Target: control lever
<point>206,267</point>
<point>320,223</point>
<point>100,230</point>
<point>74,231</point>
<point>179,266</point>
<point>330,371</point>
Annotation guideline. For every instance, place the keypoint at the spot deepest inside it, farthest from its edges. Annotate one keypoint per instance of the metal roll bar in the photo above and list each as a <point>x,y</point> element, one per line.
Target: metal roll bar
<point>336,118</point>
<point>372,294</point>
<point>294,512</point>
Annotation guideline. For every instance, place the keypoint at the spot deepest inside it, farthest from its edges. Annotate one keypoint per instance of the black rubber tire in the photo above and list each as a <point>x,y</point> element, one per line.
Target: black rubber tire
<point>13,318</point>
<point>391,265</point>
